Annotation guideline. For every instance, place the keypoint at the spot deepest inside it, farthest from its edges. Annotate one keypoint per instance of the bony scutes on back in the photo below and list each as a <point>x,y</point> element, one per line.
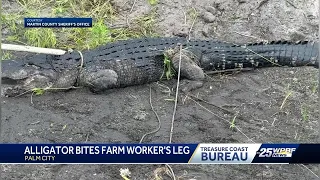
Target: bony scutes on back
<point>44,71</point>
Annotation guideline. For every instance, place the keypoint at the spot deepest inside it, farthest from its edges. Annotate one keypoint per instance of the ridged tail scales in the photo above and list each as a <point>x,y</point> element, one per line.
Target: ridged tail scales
<point>277,53</point>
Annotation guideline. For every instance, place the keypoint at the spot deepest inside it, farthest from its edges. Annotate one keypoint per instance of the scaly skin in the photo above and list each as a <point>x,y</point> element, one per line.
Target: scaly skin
<point>139,61</point>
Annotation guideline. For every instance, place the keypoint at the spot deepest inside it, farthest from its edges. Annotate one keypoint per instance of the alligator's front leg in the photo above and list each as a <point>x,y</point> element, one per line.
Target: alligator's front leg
<point>98,79</point>
<point>189,68</point>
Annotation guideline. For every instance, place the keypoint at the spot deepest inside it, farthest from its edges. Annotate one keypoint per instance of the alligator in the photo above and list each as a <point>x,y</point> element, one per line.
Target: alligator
<point>139,61</point>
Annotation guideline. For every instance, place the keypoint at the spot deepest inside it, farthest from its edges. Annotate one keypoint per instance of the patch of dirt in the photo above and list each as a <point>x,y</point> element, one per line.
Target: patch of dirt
<point>124,115</point>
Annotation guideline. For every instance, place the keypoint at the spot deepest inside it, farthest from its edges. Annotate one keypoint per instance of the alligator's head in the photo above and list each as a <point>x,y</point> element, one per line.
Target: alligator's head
<point>18,77</point>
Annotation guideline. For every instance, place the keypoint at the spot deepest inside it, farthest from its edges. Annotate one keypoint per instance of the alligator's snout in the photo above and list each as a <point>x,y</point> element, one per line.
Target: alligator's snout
<point>14,87</point>
<point>17,80</point>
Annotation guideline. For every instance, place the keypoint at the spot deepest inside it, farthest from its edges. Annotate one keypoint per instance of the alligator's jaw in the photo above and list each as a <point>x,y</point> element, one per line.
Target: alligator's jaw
<point>16,77</point>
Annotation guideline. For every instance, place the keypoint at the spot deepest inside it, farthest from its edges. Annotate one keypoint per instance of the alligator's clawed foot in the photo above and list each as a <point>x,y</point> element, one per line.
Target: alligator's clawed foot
<point>189,68</point>
<point>99,80</point>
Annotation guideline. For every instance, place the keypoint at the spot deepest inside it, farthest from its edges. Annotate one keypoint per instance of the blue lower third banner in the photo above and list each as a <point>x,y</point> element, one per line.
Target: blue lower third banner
<point>159,153</point>
<point>57,22</point>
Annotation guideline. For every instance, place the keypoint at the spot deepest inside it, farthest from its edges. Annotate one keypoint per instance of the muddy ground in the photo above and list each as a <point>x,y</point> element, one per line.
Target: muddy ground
<point>125,115</point>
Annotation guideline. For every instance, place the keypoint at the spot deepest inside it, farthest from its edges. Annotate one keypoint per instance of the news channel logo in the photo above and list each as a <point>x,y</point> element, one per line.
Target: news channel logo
<point>275,152</point>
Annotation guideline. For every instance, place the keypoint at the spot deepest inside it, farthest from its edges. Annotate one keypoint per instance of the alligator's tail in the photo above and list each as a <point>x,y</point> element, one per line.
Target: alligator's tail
<point>276,53</point>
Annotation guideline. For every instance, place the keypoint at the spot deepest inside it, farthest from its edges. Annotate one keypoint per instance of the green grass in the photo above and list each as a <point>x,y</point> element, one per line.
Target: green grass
<point>146,24</point>
<point>99,34</point>
<point>95,36</point>
<point>6,55</point>
<point>153,2</point>
<point>288,93</point>
<point>192,13</point>
<point>304,113</point>
<point>41,91</point>
<point>10,21</point>
<point>41,37</point>
<point>168,68</point>
<point>233,123</point>
<point>314,87</point>
<point>102,12</point>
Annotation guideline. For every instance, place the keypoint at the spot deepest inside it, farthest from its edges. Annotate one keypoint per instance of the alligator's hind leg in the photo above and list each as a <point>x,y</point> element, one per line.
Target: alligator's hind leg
<point>98,79</point>
<point>189,68</point>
